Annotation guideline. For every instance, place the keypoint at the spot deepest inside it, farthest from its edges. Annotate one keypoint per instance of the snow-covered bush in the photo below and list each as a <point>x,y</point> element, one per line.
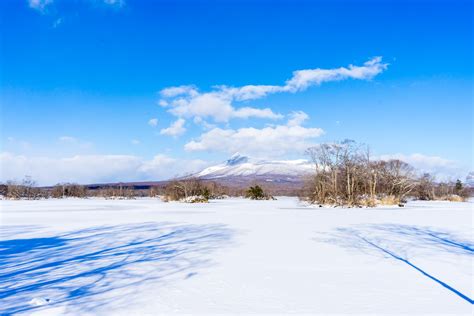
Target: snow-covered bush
<point>195,199</point>
<point>187,188</point>
<point>454,198</point>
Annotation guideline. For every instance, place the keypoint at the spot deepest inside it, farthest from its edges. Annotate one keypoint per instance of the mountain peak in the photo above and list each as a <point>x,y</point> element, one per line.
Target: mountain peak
<point>270,170</point>
<point>236,159</point>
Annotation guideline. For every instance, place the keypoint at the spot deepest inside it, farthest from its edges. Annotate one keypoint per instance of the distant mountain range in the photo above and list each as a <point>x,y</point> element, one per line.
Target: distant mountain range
<point>242,168</point>
<point>280,177</point>
<point>240,171</point>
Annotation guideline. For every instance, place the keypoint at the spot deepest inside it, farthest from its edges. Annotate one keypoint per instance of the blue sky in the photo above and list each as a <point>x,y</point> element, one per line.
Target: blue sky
<point>82,82</point>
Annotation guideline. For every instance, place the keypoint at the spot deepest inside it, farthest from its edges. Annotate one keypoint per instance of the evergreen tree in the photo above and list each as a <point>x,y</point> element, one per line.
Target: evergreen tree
<point>255,193</point>
<point>206,194</point>
<point>458,186</point>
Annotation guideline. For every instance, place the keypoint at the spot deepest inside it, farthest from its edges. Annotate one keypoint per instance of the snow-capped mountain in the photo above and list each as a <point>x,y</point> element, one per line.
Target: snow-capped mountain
<point>470,179</point>
<point>239,166</point>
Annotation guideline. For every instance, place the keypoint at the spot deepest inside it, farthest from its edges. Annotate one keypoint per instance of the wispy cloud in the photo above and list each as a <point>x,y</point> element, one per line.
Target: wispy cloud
<point>115,3</point>
<point>57,22</point>
<point>42,5</point>
<point>153,122</point>
<point>67,139</point>
<point>302,79</point>
<point>218,104</point>
<point>39,5</point>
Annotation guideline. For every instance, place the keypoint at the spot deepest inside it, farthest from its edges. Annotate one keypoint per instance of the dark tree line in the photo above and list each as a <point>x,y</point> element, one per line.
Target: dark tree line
<point>27,189</point>
<point>429,189</point>
<point>188,189</point>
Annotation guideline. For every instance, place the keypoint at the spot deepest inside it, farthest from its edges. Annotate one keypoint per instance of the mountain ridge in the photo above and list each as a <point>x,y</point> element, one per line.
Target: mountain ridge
<point>240,166</point>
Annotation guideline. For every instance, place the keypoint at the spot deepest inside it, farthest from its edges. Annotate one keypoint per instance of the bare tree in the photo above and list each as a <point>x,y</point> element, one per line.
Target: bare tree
<point>346,175</point>
<point>63,190</point>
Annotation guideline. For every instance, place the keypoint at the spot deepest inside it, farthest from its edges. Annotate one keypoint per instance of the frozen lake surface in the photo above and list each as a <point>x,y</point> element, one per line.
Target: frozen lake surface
<point>134,257</point>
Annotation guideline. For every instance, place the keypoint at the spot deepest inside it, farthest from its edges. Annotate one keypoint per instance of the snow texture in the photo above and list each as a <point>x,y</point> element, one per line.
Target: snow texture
<point>235,256</point>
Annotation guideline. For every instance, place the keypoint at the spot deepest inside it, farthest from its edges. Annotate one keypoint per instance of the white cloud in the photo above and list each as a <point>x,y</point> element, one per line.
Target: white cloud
<point>247,112</point>
<point>297,118</point>
<point>250,92</point>
<point>94,168</point>
<point>176,128</point>
<point>199,121</point>
<point>213,105</point>
<point>135,142</point>
<point>443,168</point>
<point>153,122</point>
<point>163,103</point>
<point>218,104</point>
<point>276,140</point>
<point>67,139</point>
<point>39,5</point>
<point>115,3</point>
<point>57,22</point>
<point>302,79</point>
<point>179,90</point>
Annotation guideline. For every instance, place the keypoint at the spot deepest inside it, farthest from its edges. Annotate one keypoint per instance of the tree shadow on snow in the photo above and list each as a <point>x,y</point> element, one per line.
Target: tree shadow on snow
<point>98,266</point>
<point>400,242</point>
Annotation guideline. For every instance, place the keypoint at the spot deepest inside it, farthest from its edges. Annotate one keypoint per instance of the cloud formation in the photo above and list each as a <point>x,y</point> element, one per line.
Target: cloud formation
<point>41,5</point>
<point>115,3</point>
<point>272,141</point>
<point>218,104</point>
<point>444,169</point>
<point>302,79</point>
<point>175,129</point>
<point>297,118</point>
<point>88,169</point>
<point>188,103</point>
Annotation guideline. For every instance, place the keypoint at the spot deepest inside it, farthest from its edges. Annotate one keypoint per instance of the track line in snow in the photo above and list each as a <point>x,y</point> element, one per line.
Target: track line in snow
<point>458,293</point>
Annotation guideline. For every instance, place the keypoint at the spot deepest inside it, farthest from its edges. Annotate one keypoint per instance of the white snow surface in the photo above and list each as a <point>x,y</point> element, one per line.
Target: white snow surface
<point>242,166</point>
<point>234,256</point>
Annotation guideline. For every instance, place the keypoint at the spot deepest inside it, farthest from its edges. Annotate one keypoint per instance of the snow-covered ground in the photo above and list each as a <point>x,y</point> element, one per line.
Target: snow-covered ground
<point>234,256</point>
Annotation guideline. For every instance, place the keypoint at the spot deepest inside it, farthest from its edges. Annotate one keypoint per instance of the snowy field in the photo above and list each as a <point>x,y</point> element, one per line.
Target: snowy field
<point>105,257</point>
